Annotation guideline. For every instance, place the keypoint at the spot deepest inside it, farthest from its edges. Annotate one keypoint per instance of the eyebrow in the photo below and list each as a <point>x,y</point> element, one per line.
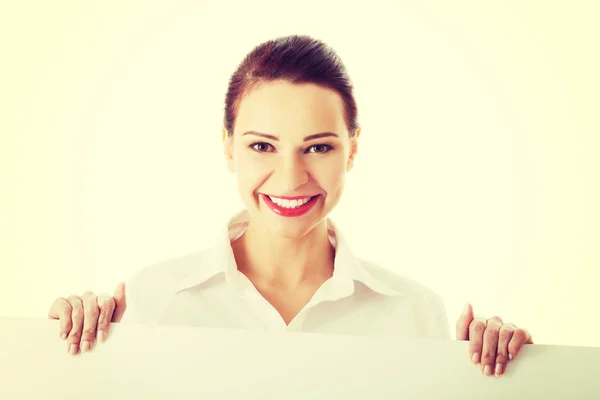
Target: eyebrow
<point>306,139</point>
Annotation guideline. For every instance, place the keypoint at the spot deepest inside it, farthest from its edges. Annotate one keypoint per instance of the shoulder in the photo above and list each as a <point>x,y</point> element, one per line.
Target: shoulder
<point>399,282</point>
<point>427,306</point>
<point>167,273</point>
<point>150,287</point>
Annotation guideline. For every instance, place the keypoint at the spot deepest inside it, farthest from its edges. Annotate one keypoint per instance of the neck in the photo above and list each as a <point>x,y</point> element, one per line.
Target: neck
<point>286,263</point>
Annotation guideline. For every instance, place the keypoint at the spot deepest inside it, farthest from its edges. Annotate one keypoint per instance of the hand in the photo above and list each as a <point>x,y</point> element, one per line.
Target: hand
<point>491,342</point>
<point>81,317</point>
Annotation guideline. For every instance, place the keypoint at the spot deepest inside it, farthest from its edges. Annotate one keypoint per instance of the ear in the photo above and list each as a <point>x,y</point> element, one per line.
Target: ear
<point>353,150</point>
<point>228,150</point>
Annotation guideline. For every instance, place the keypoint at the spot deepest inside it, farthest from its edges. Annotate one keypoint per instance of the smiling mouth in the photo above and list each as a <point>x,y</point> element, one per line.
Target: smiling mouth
<point>290,202</point>
<point>290,206</point>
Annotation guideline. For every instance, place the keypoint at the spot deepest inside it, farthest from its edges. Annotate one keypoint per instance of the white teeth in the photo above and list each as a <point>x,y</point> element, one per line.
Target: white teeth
<point>289,203</point>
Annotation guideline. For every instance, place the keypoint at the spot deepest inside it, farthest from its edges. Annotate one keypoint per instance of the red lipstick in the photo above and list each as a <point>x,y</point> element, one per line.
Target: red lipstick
<point>290,212</point>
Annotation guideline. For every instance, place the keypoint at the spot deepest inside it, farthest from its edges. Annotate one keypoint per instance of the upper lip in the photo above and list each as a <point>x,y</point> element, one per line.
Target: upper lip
<point>292,197</point>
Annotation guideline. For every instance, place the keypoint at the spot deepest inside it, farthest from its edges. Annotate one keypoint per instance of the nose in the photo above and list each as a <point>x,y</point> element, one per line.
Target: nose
<point>293,173</point>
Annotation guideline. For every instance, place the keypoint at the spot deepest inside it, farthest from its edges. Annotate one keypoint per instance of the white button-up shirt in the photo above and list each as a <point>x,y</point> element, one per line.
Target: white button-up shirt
<point>205,289</point>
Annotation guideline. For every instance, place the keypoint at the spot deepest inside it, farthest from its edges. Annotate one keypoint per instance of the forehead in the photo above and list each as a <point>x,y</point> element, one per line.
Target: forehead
<point>280,107</point>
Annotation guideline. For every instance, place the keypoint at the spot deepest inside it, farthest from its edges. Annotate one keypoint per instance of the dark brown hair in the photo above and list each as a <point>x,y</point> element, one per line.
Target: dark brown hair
<point>297,59</point>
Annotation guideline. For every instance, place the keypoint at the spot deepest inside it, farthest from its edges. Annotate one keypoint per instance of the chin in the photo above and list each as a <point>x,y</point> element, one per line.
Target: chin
<point>290,227</point>
<point>290,230</point>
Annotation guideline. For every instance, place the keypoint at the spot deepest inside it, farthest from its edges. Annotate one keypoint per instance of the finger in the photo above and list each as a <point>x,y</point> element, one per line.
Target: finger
<point>106,304</point>
<point>490,346</point>
<point>61,310</point>
<point>120,303</point>
<point>74,336</point>
<point>90,320</point>
<point>476,330</point>
<point>519,338</point>
<point>462,325</point>
<point>497,318</point>
<point>506,332</point>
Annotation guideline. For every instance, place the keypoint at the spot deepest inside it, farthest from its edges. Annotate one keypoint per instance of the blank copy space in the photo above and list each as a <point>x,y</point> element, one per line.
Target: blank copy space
<point>166,362</point>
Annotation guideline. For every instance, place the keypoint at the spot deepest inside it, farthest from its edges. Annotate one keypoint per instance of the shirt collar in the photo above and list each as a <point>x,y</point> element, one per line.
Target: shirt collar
<point>347,268</point>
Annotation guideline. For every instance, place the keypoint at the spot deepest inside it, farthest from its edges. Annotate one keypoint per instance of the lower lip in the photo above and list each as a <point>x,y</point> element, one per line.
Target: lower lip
<point>290,212</point>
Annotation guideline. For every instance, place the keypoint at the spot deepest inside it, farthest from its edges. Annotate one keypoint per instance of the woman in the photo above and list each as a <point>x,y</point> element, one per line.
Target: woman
<point>290,135</point>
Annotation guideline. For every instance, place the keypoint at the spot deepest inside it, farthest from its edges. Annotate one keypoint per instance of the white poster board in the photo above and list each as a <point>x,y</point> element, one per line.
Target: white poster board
<point>161,362</point>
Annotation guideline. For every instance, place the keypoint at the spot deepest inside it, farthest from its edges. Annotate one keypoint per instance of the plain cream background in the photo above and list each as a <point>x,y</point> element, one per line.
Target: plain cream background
<point>478,163</point>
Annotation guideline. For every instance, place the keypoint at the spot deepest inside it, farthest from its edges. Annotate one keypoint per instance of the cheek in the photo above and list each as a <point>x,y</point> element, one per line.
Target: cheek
<point>331,175</point>
<point>250,171</point>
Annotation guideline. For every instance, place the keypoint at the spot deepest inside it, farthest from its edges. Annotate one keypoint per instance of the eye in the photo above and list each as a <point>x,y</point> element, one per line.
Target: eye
<point>261,147</point>
<point>320,148</point>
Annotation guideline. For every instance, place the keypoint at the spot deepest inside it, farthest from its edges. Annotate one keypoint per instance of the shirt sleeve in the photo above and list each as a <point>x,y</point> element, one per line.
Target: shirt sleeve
<point>145,294</point>
<point>441,320</point>
<point>132,314</point>
<point>435,319</point>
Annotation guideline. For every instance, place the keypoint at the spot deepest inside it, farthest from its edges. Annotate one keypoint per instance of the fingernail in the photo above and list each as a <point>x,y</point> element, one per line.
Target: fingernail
<point>487,370</point>
<point>498,369</point>
<point>510,356</point>
<point>63,336</point>
<point>73,349</point>
<point>85,346</point>
<point>101,336</point>
<point>475,358</point>
<point>466,307</point>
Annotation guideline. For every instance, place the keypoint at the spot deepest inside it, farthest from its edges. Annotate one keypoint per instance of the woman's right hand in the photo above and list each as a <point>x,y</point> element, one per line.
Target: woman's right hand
<point>81,317</point>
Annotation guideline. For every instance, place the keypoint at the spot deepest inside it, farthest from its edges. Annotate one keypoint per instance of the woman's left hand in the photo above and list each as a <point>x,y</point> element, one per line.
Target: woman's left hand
<point>492,343</point>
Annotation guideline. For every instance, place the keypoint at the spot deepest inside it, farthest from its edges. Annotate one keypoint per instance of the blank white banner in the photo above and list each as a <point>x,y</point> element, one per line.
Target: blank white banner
<point>166,362</point>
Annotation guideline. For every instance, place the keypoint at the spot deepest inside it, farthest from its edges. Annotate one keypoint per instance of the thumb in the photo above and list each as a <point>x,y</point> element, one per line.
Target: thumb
<point>120,302</point>
<point>463,323</point>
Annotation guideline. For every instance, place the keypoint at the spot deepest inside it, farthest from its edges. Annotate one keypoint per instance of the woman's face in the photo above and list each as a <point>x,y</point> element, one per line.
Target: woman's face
<point>276,155</point>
